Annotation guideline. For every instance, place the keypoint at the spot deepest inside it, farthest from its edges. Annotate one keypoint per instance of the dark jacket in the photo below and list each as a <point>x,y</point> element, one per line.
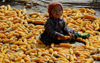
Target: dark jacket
<point>53,28</point>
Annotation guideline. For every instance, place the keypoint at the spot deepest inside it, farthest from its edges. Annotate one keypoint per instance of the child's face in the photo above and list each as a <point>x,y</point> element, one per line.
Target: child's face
<point>56,11</point>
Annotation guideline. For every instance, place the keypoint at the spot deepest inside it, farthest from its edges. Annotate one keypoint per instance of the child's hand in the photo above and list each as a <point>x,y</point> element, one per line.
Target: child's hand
<point>61,36</point>
<point>71,33</point>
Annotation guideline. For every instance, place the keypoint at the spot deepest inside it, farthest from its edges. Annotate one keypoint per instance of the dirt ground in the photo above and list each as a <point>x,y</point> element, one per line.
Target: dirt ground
<point>43,6</point>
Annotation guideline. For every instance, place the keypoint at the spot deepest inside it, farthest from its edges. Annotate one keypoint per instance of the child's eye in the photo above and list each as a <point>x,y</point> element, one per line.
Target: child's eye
<point>59,10</point>
<point>54,10</point>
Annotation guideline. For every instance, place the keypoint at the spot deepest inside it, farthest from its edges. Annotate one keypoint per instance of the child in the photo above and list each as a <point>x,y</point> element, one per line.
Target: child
<point>55,26</point>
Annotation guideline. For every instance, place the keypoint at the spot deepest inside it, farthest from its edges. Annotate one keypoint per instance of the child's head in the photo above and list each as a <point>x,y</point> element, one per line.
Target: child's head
<point>55,9</point>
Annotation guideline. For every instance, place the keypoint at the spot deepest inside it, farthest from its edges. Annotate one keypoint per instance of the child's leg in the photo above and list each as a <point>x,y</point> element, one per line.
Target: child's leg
<point>64,41</point>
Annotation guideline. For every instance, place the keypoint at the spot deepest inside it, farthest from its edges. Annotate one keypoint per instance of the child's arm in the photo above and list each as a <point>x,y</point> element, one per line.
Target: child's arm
<point>67,30</point>
<point>51,32</point>
<point>61,37</point>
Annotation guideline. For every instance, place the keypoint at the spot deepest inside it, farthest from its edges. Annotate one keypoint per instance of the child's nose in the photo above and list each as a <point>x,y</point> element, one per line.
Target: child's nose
<point>57,11</point>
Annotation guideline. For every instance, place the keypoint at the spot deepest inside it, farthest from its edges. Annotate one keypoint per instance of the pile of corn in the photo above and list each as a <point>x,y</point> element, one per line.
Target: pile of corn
<point>19,37</point>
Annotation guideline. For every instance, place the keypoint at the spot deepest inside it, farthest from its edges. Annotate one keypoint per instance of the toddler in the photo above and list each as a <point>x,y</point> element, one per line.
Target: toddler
<point>55,26</point>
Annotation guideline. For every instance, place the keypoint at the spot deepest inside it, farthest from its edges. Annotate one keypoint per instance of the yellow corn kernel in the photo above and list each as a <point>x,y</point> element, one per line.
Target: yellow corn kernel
<point>34,13</point>
<point>50,50</point>
<point>65,45</point>
<point>2,35</point>
<point>8,7</point>
<point>90,60</point>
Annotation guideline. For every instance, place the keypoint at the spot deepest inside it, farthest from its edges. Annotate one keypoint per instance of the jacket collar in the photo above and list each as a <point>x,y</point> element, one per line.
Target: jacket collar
<point>56,20</point>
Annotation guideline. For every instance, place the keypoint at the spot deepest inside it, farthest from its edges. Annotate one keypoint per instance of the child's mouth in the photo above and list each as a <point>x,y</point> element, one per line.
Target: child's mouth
<point>57,14</point>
